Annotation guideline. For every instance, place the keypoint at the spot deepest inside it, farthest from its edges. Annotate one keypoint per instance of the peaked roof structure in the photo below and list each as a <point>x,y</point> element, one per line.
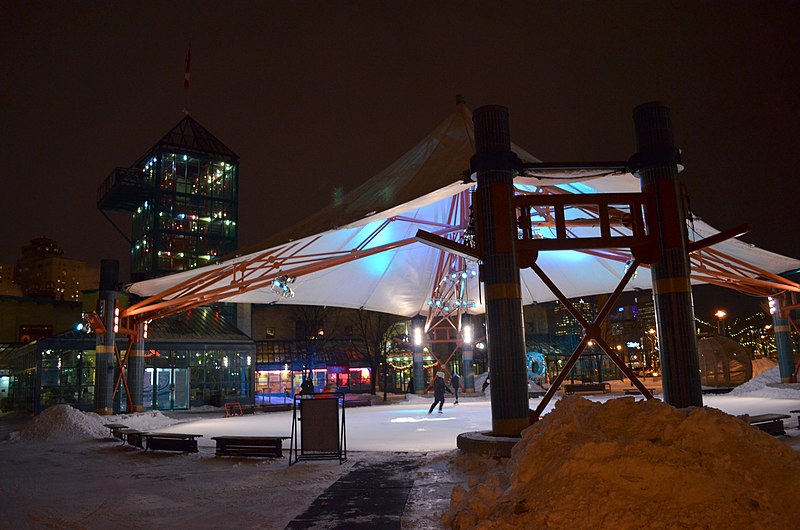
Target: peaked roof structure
<point>363,252</point>
<point>188,136</point>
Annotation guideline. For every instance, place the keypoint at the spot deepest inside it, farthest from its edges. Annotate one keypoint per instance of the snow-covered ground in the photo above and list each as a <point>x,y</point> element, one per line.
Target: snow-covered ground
<point>63,470</point>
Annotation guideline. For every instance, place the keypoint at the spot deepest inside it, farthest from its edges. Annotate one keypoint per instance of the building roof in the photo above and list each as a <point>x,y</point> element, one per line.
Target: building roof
<point>202,324</point>
<point>188,136</point>
<point>199,327</point>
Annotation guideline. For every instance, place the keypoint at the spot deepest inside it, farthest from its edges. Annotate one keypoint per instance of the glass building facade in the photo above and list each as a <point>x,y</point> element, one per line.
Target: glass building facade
<point>183,197</point>
<point>193,359</point>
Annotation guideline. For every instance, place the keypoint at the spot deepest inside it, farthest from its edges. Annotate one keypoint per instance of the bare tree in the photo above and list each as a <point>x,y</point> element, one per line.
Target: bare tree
<point>313,326</point>
<point>372,331</point>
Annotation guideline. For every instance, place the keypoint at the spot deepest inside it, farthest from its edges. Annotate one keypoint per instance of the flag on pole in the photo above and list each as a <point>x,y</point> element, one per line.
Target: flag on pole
<point>186,73</point>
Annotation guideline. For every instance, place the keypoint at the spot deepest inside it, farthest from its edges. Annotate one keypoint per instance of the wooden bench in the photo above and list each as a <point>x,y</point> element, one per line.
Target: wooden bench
<point>132,437</point>
<point>637,392</point>
<point>798,416</point>
<point>170,441</point>
<point>571,388</point>
<point>115,428</point>
<point>275,407</point>
<point>360,402</point>
<point>250,445</point>
<point>769,423</point>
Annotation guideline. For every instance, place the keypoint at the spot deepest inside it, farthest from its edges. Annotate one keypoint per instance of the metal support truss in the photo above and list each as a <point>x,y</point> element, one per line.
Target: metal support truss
<point>122,361</point>
<point>450,296</point>
<point>591,332</point>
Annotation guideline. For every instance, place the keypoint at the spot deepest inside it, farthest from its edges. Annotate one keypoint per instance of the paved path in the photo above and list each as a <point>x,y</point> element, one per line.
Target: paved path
<point>369,496</point>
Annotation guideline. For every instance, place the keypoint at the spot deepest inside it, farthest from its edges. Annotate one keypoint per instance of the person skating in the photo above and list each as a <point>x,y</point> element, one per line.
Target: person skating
<point>439,386</point>
<point>455,382</point>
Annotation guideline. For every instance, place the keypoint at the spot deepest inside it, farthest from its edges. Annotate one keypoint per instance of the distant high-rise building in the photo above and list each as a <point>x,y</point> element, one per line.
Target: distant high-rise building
<point>183,197</point>
<point>7,285</point>
<point>566,324</point>
<point>42,270</point>
<point>645,311</point>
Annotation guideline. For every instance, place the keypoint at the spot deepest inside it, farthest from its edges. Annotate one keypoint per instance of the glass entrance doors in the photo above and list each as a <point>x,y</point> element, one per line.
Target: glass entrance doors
<point>166,388</point>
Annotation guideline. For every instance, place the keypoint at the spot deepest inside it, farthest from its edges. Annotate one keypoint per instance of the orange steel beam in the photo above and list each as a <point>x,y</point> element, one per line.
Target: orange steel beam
<point>196,297</point>
<point>121,361</point>
<point>249,275</point>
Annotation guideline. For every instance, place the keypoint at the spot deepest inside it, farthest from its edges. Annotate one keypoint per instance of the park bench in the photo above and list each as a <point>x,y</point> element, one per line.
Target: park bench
<point>115,428</point>
<point>714,390</point>
<point>798,416</point>
<point>769,423</point>
<point>571,388</point>
<point>358,402</point>
<point>275,407</point>
<point>637,392</point>
<point>131,437</point>
<point>170,441</point>
<point>250,445</point>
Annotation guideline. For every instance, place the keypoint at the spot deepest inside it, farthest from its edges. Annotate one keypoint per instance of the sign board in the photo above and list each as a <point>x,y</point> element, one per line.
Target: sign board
<point>318,427</point>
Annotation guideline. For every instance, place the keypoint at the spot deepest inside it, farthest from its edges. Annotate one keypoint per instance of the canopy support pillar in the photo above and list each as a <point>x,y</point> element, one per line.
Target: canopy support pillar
<point>496,233</point>
<point>106,341</point>
<point>417,340</point>
<point>783,341</point>
<point>656,164</point>
<point>135,369</point>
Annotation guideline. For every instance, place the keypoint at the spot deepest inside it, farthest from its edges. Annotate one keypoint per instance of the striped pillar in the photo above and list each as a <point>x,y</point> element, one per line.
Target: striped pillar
<point>135,371</point>
<point>656,165</point>
<point>467,369</point>
<point>496,231</point>
<point>783,343</point>
<point>418,343</point>
<point>104,349</point>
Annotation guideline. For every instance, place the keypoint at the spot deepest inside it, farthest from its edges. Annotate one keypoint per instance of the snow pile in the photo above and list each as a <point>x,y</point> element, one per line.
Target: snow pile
<point>625,464</point>
<point>63,422</point>
<point>757,386</point>
<point>762,364</point>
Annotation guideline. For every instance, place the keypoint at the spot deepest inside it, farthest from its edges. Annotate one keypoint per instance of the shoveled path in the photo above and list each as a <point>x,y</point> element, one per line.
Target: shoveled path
<point>369,496</point>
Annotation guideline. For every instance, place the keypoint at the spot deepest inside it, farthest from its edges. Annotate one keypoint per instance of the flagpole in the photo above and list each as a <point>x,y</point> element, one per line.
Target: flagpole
<point>186,73</point>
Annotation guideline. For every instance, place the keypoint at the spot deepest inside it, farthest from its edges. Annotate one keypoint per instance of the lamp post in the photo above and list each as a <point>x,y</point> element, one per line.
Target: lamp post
<point>651,335</point>
<point>720,314</point>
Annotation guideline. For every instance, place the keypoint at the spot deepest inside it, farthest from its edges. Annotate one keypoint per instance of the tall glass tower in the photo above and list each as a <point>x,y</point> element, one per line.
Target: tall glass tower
<point>183,197</point>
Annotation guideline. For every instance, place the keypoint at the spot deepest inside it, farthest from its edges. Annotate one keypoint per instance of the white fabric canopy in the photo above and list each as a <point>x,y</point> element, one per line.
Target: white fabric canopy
<point>416,192</point>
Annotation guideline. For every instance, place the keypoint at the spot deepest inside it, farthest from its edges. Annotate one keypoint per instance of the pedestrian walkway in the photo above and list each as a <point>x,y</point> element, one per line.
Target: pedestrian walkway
<point>369,496</point>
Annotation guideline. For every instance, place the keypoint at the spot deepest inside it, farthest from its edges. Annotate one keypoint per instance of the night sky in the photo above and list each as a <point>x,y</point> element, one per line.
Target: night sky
<point>315,96</point>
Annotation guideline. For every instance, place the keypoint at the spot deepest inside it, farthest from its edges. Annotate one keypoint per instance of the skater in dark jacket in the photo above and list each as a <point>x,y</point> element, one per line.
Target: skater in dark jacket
<point>455,383</point>
<point>439,386</point>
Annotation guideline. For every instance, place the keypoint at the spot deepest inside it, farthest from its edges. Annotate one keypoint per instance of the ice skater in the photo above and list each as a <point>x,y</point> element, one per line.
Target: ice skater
<point>439,386</point>
<point>455,382</point>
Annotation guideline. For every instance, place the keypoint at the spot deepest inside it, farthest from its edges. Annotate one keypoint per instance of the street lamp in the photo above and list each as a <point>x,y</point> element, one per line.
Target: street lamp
<point>720,314</point>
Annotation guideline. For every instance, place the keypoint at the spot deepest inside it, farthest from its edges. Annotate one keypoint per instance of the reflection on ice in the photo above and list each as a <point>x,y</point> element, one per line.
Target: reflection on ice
<point>416,420</point>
